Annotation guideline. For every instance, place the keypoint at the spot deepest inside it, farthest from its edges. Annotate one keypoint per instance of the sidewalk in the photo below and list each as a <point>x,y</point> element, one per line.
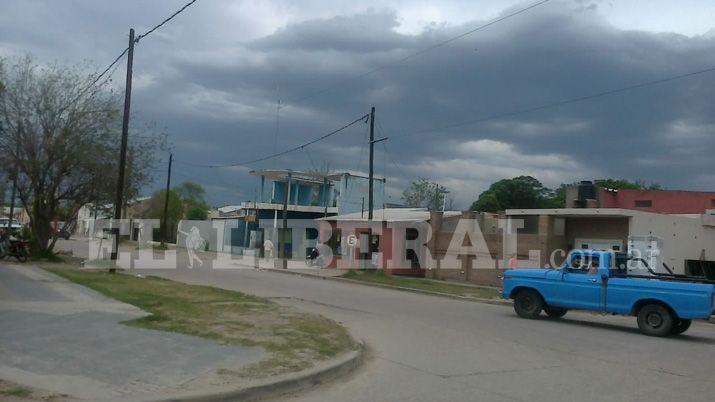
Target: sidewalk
<point>68,339</point>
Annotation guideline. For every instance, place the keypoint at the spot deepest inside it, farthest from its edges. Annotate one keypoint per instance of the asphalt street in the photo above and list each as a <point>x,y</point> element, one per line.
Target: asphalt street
<point>427,348</point>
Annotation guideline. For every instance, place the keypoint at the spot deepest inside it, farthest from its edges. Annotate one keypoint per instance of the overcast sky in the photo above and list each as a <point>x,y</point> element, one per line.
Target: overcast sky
<point>213,76</point>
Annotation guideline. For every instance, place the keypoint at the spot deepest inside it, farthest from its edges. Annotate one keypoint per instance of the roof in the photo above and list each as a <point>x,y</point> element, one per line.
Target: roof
<point>581,212</point>
<point>391,215</point>
<point>228,208</point>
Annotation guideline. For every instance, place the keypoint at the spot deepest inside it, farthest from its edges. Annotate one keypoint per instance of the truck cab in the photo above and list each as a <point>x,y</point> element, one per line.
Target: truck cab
<point>604,281</point>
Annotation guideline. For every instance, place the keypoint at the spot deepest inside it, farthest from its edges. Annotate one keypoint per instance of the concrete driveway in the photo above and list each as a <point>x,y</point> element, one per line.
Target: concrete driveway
<point>62,337</point>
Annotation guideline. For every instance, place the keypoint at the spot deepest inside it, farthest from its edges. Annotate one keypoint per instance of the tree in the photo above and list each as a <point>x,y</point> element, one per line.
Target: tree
<point>61,133</point>
<point>423,193</point>
<point>192,197</point>
<point>519,192</point>
<point>186,201</point>
<point>197,214</point>
<point>619,184</point>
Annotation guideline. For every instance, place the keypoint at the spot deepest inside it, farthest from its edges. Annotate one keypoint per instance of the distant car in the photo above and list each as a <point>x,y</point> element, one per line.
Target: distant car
<point>15,226</point>
<point>64,234</point>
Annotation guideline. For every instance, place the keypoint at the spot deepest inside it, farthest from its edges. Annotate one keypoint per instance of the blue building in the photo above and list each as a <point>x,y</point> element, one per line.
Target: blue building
<point>310,196</point>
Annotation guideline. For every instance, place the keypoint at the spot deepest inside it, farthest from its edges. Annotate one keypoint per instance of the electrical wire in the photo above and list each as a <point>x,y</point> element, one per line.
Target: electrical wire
<point>287,151</point>
<point>558,103</point>
<point>413,55</point>
<point>149,32</point>
<point>124,52</point>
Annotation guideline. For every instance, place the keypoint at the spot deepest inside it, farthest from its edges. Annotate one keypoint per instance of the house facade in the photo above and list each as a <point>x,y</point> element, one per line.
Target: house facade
<point>674,202</point>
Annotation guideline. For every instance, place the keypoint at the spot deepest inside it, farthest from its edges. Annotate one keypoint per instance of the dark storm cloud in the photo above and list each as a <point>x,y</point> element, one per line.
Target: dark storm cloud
<point>218,100</point>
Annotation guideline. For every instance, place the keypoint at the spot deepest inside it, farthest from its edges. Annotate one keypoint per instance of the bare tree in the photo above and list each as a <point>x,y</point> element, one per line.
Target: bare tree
<point>423,193</point>
<point>61,136</point>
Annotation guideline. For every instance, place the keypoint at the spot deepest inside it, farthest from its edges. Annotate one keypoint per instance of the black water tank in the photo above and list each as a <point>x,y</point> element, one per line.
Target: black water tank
<point>586,191</point>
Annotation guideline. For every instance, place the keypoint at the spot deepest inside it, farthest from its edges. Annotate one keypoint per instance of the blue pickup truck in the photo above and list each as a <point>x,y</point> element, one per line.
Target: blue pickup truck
<point>597,280</point>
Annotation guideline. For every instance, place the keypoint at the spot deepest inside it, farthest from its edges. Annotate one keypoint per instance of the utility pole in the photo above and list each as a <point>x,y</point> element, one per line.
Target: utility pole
<point>373,141</point>
<point>282,234</point>
<point>118,202</point>
<point>370,200</point>
<point>164,224</point>
<point>14,187</point>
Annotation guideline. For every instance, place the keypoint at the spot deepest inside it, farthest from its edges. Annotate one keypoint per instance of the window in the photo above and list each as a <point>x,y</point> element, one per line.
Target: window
<point>644,203</point>
<point>582,264</point>
<point>712,202</point>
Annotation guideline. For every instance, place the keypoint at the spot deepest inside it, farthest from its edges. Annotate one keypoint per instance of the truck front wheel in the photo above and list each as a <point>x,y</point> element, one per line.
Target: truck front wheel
<point>680,327</point>
<point>528,304</point>
<point>655,320</point>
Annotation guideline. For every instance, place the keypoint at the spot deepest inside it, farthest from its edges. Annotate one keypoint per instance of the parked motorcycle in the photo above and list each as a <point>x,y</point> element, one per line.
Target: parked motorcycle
<point>17,248</point>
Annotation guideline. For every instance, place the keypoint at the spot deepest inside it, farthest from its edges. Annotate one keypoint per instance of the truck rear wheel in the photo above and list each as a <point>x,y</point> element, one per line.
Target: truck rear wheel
<point>528,304</point>
<point>555,312</point>
<point>680,327</point>
<point>655,320</point>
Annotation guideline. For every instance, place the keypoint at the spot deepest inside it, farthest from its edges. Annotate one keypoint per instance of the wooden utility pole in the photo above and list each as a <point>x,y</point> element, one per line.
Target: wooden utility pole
<point>373,141</point>
<point>282,254</point>
<point>370,201</point>
<point>125,129</point>
<point>164,224</point>
<point>118,201</point>
<point>14,186</point>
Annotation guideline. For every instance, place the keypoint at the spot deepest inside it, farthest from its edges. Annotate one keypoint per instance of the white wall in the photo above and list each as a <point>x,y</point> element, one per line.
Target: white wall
<point>683,237</point>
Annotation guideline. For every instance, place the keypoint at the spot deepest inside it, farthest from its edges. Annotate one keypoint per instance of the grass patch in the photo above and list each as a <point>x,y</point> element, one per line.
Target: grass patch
<point>378,276</point>
<point>11,389</point>
<point>294,340</point>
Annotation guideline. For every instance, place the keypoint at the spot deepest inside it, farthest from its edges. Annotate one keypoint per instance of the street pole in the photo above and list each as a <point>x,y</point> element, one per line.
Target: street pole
<point>164,225</point>
<point>282,235</point>
<point>325,196</point>
<point>14,187</point>
<point>372,172</point>
<point>118,202</point>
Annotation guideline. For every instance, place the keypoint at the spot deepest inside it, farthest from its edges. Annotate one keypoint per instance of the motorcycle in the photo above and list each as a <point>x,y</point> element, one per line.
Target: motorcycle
<point>314,259</point>
<point>19,249</point>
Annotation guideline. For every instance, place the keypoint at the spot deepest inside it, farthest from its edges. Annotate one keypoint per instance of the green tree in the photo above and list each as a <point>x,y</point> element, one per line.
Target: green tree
<point>197,214</point>
<point>519,192</point>
<point>192,196</point>
<point>60,131</point>
<point>423,193</point>
<point>619,184</point>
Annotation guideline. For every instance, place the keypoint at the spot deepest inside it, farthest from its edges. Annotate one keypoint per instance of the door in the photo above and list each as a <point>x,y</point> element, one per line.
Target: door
<point>580,286</point>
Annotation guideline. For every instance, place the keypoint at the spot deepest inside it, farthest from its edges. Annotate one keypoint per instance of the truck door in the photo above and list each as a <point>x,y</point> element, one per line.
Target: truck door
<point>580,286</point>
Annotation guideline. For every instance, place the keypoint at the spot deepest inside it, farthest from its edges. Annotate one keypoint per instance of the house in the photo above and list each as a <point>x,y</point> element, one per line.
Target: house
<point>306,195</point>
<point>673,202</point>
<point>357,242</point>
<point>684,243</point>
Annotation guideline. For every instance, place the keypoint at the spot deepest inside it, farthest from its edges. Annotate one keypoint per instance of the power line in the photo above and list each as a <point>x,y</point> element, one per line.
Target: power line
<point>415,54</point>
<point>149,32</point>
<point>287,151</point>
<point>124,52</point>
<point>559,103</point>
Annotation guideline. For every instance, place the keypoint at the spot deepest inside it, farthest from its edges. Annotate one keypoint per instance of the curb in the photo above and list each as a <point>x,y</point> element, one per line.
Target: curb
<point>498,302</point>
<point>276,386</point>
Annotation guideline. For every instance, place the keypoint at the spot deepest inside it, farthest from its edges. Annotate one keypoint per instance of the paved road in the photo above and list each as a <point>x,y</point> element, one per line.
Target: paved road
<point>425,348</point>
<point>62,337</point>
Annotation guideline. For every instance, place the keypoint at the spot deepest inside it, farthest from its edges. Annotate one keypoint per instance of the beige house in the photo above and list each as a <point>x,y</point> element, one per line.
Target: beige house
<point>687,241</point>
